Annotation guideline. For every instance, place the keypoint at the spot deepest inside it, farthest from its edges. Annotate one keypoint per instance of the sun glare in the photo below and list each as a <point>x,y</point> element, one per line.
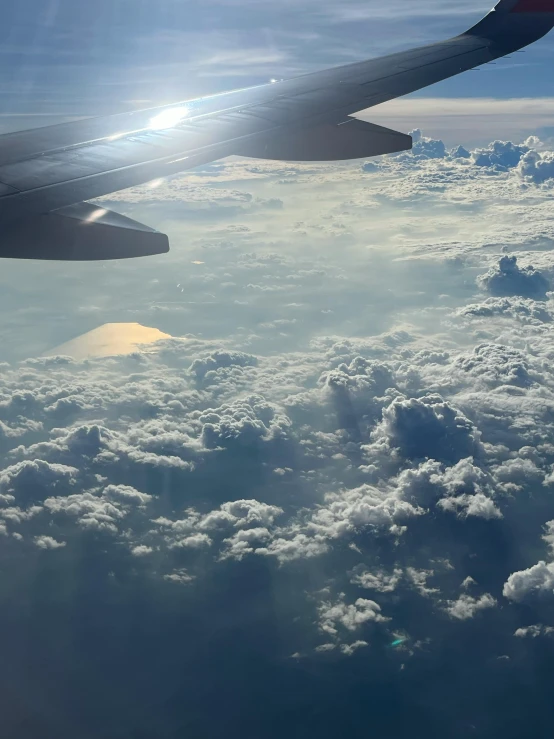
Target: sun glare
<point>168,118</point>
<point>95,215</point>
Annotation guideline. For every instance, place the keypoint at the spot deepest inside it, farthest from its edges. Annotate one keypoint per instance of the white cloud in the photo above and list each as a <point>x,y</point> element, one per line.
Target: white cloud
<point>378,581</point>
<point>194,541</point>
<point>536,581</point>
<point>350,510</point>
<point>180,577</point>
<point>48,542</point>
<point>364,416</point>
<point>428,427</point>
<point>349,616</point>
<point>509,279</point>
<point>471,505</point>
<point>537,167</point>
<point>549,526</point>
<point>350,649</point>
<point>418,579</point>
<point>466,607</point>
<point>466,119</point>
<point>533,631</point>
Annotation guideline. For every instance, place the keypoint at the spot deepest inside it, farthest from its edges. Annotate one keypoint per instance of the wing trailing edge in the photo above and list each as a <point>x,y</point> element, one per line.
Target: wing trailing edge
<point>353,139</point>
<point>81,232</point>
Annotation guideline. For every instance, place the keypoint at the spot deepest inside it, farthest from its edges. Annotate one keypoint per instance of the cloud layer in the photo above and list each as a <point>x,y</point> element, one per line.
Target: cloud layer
<point>340,473</point>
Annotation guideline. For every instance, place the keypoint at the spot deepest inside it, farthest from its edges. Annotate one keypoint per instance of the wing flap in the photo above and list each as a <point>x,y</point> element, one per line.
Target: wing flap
<point>81,232</point>
<point>353,139</point>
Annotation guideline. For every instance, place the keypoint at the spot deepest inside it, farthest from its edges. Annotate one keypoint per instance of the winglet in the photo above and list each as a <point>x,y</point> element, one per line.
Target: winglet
<point>512,24</point>
<point>533,6</point>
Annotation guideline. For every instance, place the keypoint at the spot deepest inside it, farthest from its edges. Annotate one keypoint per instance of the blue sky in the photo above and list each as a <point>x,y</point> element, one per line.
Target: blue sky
<point>75,58</point>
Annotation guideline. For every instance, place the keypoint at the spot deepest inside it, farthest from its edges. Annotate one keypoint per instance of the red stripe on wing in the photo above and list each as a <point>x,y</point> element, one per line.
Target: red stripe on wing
<point>534,6</point>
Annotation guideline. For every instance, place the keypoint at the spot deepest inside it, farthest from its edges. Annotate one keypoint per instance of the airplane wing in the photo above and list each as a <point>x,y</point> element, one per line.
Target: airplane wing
<point>48,174</point>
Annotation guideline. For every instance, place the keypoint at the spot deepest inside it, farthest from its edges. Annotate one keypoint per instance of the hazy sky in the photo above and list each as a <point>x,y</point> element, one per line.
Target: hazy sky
<point>324,507</point>
<point>61,56</point>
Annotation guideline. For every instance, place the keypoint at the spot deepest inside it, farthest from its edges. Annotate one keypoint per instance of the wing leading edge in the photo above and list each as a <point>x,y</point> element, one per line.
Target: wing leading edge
<point>46,173</point>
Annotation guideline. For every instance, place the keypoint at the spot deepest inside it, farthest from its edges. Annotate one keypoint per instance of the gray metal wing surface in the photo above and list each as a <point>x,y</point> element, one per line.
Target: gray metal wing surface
<point>47,173</point>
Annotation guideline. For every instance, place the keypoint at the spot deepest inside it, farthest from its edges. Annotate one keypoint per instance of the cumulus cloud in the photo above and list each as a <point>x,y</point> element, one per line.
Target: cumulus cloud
<point>205,368</point>
<point>496,364</point>
<point>427,148</point>
<point>247,422</point>
<point>509,279</point>
<point>460,152</point>
<point>537,167</point>
<point>351,444</point>
<point>525,310</point>
<point>533,631</point>
<point>141,550</point>
<point>36,479</point>
<point>48,542</point>
<point>349,649</point>
<point>180,577</point>
<point>549,526</point>
<point>428,427</point>
<point>467,607</point>
<point>351,510</point>
<point>471,505</point>
<point>501,155</point>
<point>536,581</point>
<point>349,616</point>
<point>379,581</point>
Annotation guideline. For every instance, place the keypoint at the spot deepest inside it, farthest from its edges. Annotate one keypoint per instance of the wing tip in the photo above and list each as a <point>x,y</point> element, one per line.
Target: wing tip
<point>514,24</point>
<point>533,6</point>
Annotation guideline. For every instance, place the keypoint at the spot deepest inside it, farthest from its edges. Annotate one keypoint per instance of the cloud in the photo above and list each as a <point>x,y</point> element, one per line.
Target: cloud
<point>533,631</point>
<point>549,526</point>
<point>537,167</point>
<point>347,445</point>
<point>141,550</point>
<point>427,148</point>
<point>509,279</point>
<point>350,649</point>
<point>194,541</point>
<point>348,616</point>
<point>501,155</point>
<point>536,581</point>
<point>496,364</point>
<point>460,152</point>
<point>245,422</point>
<point>466,606</point>
<point>467,119</point>
<point>33,480</point>
<point>471,505</point>
<point>378,581</point>
<point>525,310</point>
<point>207,368</point>
<point>47,542</point>
<point>344,513</point>
<point>428,427</point>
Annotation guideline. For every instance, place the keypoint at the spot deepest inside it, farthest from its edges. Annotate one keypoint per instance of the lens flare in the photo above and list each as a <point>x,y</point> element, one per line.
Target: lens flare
<point>168,118</point>
<point>397,642</point>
